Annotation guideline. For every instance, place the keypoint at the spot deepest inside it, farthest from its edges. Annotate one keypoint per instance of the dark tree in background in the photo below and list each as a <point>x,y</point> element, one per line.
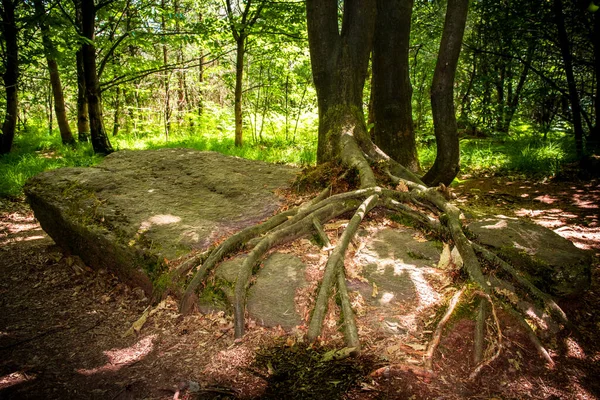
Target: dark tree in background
<point>98,134</point>
<point>11,73</point>
<point>565,49</point>
<point>83,117</point>
<point>391,89</point>
<point>447,160</point>
<point>57,90</point>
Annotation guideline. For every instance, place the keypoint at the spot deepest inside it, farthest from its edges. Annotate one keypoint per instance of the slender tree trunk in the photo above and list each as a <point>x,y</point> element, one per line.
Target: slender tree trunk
<point>239,76</point>
<point>167,110</point>
<point>565,50</point>
<point>201,84</point>
<point>100,141</point>
<point>83,121</point>
<point>447,160</point>
<point>393,131</point>
<point>117,111</point>
<point>513,98</point>
<point>10,76</point>
<point>465,106</point>
<point>595,133</point>
<point>49,111</point>
<point>57,91</point>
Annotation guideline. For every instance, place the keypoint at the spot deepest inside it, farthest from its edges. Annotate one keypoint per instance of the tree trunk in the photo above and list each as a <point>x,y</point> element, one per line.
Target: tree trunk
<point>100,141</point>
<point>595,133</point>
<point>167,111</point>
<point>447,160</point>
<point>59,99</point>
<point>201,83</point>
<point>83,121</point>
<point>239,75</point>
<point>339,65</point>
<point>513,98</point>
<point>10,76</point>
<point>117,111</point>
<point>563,41</point>
<point>393,131</point>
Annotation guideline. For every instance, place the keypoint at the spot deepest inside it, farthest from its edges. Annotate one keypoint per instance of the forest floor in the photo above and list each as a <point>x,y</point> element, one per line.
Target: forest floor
<point>63,325</point>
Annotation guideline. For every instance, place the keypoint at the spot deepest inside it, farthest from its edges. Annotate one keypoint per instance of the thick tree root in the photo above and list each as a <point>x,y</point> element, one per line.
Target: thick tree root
<point>479,342</point>
<point>331,269</point>
<point>426,208</point>
<point>230,245</point>
<point>550,304</point>
<point>480,331</point>
<point>276,237</point>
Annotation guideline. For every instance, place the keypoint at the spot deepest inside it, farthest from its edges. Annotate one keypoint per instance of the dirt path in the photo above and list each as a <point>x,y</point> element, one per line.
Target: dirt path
<point>62,325</point>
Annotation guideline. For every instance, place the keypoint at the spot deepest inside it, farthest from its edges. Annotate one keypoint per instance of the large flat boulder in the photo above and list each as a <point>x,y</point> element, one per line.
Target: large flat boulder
<point>137,210</point>
<point>552,262</point>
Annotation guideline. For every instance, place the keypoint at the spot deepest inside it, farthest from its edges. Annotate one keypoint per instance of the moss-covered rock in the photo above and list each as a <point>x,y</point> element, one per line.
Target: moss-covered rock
<point>552,262</point>
<point>137,210</point>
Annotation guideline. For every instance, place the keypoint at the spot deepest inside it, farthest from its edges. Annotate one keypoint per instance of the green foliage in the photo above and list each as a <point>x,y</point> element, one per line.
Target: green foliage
<point>526,154</point>
<point>35,152</point>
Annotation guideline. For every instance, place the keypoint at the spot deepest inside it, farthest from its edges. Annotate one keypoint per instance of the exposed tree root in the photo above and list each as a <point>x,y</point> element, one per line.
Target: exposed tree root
<point>335,260</point>
<point>480,363</point>
<point>428,209</point>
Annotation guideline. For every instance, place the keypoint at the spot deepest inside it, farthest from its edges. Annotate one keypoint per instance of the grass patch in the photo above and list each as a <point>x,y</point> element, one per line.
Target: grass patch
<point>530,156</point>
<point>35,152</point>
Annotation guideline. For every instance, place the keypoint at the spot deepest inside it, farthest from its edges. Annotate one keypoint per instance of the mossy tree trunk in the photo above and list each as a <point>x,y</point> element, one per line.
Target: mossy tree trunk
<point>339,64</point>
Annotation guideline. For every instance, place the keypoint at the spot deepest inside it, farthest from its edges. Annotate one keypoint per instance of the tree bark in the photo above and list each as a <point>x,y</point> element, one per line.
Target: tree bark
<point>595,133</point>
<point>59,99</point>
<point>100,141</point>
<point>10,75</point>
<point>339,64</point>
<point>447,160</point>
<point>116,116</point>
<point>167,110</point>
<point>239,76</point>
<point>391,89</point>
<point>563,41</point>
<point>83,119</point>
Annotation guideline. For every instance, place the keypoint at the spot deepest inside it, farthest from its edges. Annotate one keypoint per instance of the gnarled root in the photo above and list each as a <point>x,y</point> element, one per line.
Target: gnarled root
<point>427,208</point>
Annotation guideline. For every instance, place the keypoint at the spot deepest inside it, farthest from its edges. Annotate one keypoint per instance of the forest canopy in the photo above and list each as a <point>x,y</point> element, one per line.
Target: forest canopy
<point>242,68</point>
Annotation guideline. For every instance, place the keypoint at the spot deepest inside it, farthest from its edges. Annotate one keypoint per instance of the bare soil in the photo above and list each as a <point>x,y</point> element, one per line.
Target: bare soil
<point>63,325</point>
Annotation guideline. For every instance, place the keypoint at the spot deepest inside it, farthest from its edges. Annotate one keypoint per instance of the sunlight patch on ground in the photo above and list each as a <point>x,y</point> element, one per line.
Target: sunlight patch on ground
<point>121,357</point>
<point>160,219</point>
<point>14,379</point>
<point>583,203</point>
<point>574,350</point>
<point>21,239</point>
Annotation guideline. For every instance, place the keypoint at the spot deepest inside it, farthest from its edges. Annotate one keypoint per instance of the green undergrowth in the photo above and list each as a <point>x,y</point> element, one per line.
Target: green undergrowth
<point>509,155</point>
<point>35,151</point>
